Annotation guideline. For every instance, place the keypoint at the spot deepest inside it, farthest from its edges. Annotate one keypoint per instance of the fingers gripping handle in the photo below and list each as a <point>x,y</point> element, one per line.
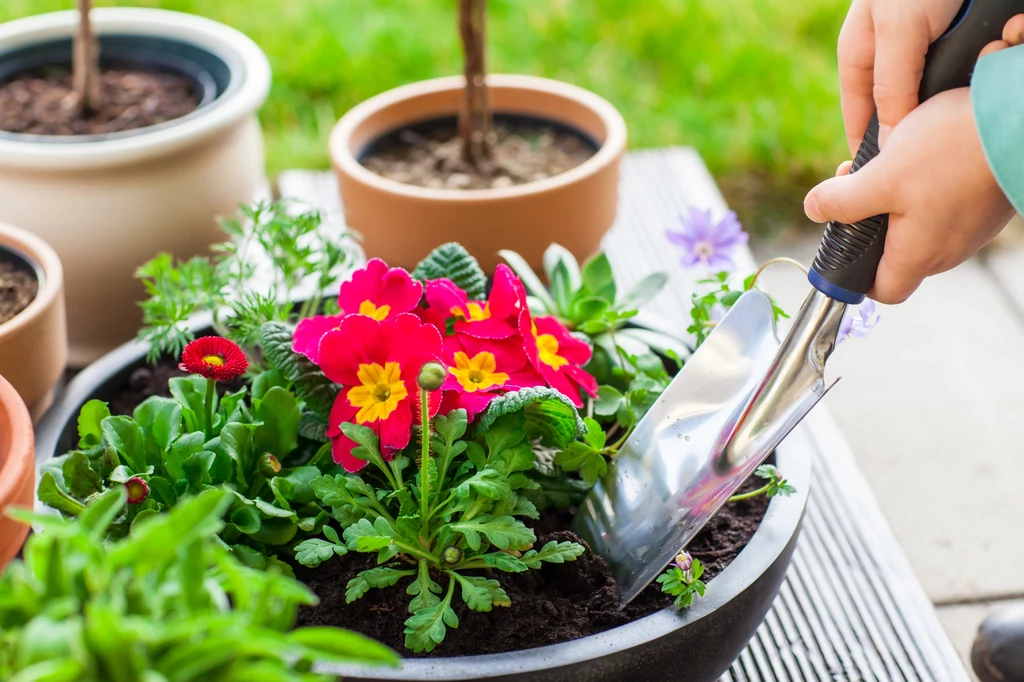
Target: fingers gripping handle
<point>848,256</point>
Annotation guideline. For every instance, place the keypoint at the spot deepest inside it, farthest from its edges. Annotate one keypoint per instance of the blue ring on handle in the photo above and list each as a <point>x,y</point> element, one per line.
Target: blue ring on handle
<point>833,290</point>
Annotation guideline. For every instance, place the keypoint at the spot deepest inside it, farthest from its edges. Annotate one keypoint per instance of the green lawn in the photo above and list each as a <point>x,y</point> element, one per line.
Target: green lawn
<point>750,83</point>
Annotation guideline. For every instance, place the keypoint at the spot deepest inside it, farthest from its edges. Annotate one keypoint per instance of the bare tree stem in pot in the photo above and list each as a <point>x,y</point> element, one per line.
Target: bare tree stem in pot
<point>86,61</point>
<point>475,115</point>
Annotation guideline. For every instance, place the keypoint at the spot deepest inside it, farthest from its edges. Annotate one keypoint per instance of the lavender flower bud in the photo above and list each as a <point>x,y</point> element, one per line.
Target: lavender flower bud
<point>684,562</point>
<point>432,376</point>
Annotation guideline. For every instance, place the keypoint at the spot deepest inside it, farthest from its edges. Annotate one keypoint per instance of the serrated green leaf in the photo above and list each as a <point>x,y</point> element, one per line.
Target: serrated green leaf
<point>452,261</point>
<point>591,464</point>
<point>550,422</point>
<point>374,578</point>
<point>481,594</point>
<point>505,562</point>
<point>553,552</point>
<point>503,532</point>
<point>609,400</point>
<point>365,536</point>
<point>314,551</point>
<point>425,629</point>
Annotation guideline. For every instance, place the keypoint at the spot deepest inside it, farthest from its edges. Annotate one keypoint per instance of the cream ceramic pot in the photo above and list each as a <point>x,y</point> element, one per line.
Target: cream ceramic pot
<point>403,223</point>
<point>108,203</point>
<point>34,343</point>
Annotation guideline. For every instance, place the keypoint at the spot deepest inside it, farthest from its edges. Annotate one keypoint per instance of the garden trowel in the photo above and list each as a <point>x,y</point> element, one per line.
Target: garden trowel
<point>743,390</point>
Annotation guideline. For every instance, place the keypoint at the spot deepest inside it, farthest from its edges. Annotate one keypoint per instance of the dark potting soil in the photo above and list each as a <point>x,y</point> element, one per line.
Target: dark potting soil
<point>150,380</point>
<point>45,103</point>
<point>18,288</point>
<point>522,152</point>
<point>557,603</point>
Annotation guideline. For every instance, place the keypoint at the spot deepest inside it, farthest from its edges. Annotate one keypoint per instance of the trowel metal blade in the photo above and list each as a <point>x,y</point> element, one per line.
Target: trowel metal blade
<point>668,479</point>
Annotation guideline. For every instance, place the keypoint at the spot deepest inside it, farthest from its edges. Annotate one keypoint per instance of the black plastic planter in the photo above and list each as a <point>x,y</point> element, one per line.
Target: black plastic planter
<point>695,645</point>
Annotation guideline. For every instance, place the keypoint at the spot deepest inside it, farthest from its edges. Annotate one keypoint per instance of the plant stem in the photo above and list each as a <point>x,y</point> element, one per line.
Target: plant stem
<point>86,58</point>
<point>752,493</point>
<point>424,461</point>
<point>415,551</point>
<point>475,117</point>
<point>614,447</point>
<point>211,397</point>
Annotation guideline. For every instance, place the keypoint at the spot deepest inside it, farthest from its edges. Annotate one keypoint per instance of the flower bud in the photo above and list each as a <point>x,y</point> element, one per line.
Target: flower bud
<point>432,376</point>
<point>684,561</point>
<point>137,489</point>
<point>269,466</point>
<point>452,555</point>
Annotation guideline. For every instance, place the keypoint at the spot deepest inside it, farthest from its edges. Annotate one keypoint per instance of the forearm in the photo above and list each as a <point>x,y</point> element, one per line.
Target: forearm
<point>997,97</point>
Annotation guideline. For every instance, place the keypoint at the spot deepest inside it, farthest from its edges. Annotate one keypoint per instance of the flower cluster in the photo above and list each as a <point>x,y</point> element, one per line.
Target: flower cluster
<point>390,325</point>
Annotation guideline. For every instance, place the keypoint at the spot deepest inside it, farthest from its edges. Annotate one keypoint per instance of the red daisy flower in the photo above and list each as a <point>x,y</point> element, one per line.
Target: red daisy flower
<point>377,365</point>
<point>215,358</point>
<point>137,489</point>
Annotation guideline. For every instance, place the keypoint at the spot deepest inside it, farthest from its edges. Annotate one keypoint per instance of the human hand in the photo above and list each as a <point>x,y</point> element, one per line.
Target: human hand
<point>881,51</point>
<point>935,183</point>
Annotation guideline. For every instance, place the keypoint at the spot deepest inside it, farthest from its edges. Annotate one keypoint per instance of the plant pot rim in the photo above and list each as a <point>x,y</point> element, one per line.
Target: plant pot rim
<point>345,162</point>
<point>14,469</point>
<point>250,84</point>
<point>48,269</point>
<point>781,522</point>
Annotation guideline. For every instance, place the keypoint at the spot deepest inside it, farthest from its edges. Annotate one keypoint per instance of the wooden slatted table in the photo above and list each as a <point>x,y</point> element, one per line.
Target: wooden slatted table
<point>851,608</point>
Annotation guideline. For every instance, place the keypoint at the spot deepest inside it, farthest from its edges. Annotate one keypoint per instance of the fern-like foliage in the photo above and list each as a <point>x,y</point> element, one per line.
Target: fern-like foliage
<point>311,386</point>
<point>452,261</point>
<point>550,415</point>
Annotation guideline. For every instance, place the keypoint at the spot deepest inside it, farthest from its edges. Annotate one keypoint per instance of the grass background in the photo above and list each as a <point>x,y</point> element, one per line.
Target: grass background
<point>750,83</point>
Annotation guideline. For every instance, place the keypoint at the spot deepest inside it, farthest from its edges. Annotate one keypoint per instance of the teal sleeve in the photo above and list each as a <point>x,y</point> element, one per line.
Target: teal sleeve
<point>997,95</point>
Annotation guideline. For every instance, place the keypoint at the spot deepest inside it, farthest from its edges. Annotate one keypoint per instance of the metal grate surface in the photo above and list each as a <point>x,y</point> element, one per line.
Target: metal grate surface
<point>851,607</point>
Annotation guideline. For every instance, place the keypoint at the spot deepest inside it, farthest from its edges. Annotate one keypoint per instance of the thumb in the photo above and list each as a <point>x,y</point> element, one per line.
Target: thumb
<point>849,198</point>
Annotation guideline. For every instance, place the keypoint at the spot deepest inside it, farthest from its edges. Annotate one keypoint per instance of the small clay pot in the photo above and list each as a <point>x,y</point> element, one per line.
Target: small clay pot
<point>34,343</point>
<point>17,470</point>
<point>403,223</point>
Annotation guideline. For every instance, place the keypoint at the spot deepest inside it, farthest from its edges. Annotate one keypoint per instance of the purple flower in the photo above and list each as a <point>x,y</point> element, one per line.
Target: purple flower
<point>702,240</point>
<point>859,321</point>
<point>684,562</point>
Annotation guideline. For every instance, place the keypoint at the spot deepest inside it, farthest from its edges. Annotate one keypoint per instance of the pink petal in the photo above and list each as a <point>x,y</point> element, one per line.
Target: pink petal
<point>310,331</point>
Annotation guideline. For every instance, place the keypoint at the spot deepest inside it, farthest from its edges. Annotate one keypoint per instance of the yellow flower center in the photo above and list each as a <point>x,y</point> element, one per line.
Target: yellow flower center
<point>473,312</point>
<point>379,392</point>
<point>547,348</point>
<point>369,309</point>
<point>477,373</point>
<point>215,360</point>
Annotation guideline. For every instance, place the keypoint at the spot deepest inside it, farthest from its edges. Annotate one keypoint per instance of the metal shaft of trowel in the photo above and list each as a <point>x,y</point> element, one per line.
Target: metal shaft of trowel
<point>795,381</point>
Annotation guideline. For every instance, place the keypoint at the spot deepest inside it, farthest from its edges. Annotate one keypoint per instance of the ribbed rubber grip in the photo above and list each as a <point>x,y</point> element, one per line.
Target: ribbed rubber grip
<point>848,256</point>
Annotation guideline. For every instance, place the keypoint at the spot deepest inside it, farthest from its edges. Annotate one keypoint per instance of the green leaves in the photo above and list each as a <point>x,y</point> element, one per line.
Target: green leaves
<point>279,432</point>
<point>374,578</point>
<point>314,551</point>
<point>587,457</point>
<point>315,390</point>
<point>479,593</point>
<point>89,420</point>
<point>503,532</point>
<point>452,261</point>
<point>683,585</point>
<point>550,416</point>
<point>365,536</point>
<point>554,553</point>
<point>425,629</point>
<point>194,611</point>
<point>50,494</point>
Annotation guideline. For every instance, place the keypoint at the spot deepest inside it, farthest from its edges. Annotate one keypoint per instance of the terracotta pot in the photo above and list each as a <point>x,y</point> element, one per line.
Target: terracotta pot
<point>34,343</point>
<point>17,469</point>
<point>402,223</point>
<point>108,203</point>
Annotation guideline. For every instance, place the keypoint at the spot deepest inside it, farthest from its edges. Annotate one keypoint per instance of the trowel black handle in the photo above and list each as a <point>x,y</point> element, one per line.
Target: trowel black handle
<point>848,257</point>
